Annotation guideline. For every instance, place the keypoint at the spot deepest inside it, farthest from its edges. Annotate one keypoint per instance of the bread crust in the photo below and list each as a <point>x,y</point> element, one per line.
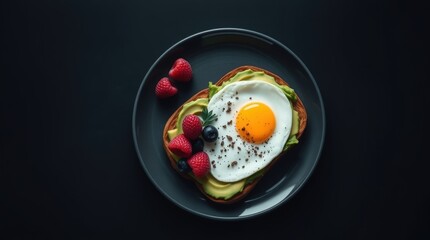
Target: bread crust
<point>171,124</point>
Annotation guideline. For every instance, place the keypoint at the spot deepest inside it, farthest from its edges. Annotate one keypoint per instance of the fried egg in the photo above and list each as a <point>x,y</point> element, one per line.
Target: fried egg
<point>253,121</point>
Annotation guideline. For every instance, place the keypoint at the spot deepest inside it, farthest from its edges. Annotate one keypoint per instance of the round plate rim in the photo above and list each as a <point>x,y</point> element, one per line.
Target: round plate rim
<point>262,37</point>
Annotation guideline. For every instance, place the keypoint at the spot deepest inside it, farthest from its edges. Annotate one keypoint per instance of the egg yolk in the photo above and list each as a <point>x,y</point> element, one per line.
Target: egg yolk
<point>255,122</point>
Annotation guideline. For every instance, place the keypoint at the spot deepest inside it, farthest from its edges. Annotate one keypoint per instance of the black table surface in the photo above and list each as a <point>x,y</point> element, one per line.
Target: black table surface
<point>70,73</point>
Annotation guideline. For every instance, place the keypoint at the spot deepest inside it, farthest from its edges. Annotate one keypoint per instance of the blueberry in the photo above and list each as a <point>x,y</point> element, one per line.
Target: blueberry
<point>198,145</point>
<point>183,165</point>
<point>210,133</point>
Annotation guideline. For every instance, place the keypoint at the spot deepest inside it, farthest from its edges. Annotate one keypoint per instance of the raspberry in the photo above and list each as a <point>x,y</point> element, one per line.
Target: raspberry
<point>164,88</point>
<point>180,146</point>
<point>192,126</point>
<point>199,164</point>
<point>181,70</point>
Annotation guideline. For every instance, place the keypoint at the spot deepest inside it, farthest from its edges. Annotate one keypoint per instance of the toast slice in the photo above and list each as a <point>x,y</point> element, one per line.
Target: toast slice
<point>171,124</point>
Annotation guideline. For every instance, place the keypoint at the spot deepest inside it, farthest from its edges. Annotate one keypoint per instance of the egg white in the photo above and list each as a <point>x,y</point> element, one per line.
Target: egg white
<point>232,158</point>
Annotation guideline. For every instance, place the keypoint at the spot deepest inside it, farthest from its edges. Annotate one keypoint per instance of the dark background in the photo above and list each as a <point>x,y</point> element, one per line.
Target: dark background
<point>70,72</point>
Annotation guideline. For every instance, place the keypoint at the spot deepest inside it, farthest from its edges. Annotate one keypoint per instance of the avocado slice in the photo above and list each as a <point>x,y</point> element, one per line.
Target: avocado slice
<point>221,190</point>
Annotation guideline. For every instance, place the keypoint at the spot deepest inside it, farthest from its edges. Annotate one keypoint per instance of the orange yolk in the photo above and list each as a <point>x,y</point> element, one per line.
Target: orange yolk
<point>255,122</point>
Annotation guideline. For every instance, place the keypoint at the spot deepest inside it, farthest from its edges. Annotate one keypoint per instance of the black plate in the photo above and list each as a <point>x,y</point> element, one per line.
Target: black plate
<point>212,54</point>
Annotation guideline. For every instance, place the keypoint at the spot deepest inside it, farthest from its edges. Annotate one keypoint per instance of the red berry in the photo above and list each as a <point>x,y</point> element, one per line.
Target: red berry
<point>164,88</point>
<point>180,146</point>
<point>192,126</point>
<point>181,70</point>
<point>199,164</point>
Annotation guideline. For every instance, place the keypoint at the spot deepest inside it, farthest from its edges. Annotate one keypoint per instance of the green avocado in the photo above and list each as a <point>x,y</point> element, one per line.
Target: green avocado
<point>292,140</point>
<point>213,187</point>
<point>221,190</point>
